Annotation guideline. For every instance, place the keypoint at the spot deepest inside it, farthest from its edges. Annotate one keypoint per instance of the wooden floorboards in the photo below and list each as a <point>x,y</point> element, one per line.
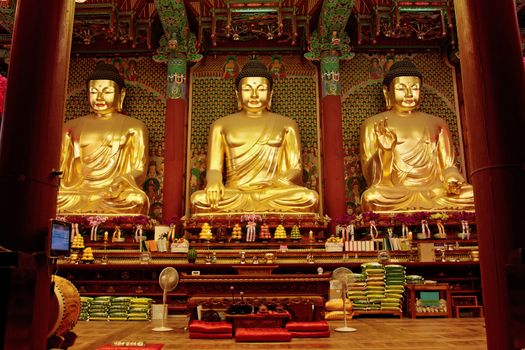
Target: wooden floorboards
<point>371,334</point>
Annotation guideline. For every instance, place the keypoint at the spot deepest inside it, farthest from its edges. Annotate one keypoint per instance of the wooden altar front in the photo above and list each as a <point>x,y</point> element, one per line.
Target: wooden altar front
<point>257,284</point>
<point>301,294</point>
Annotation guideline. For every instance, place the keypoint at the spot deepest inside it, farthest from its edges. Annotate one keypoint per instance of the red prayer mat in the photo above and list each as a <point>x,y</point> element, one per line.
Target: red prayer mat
<point>121,347</point>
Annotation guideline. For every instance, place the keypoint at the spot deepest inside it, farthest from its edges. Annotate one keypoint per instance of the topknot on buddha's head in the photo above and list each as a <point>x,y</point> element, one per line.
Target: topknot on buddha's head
<point>104,71</point>
<point>254,68</point>
<point>405,68</point>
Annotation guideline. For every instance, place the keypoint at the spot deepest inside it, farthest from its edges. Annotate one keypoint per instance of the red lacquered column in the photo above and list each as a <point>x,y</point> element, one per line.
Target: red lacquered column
<point>175,141</point>
<point>174,159</point>
<point>332,131</point>
<point>30,145</point>
<point>494,87</point>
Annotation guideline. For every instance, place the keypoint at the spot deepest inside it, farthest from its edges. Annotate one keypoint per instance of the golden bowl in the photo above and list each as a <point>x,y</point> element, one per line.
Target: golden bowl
<point>270,257</point>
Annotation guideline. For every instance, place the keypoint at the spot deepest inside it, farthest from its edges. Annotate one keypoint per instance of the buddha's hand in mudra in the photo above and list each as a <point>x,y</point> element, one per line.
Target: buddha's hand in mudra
<point>386,138</point>
<point>214,193</point>
<point>453,185</point>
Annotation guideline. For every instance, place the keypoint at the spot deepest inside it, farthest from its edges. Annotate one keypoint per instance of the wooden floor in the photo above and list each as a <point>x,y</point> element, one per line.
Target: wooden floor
<point>371,334</point>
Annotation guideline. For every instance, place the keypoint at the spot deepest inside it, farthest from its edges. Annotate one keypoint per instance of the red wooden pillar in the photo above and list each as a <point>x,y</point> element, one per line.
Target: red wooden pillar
<point>494,86</point>
<point>30,143</point>
<point>175,141</point>
<point>332,131</point>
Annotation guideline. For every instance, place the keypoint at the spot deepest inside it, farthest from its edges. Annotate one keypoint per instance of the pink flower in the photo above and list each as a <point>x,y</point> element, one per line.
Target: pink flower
<point>3,87</point>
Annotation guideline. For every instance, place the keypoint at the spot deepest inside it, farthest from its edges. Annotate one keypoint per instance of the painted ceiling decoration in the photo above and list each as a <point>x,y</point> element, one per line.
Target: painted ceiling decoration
<point>178,41</point>
<point>330,38</point>
<point>424,20</point>
<point>235,26</point>
<point>270,22</point>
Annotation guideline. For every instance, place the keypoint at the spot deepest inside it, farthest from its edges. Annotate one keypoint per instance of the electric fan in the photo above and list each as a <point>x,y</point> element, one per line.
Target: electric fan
<point>168,280</point>
<point>346,277</point>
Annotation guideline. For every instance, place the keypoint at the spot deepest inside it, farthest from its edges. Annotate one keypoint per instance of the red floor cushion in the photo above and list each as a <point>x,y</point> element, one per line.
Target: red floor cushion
<point>314,326</point>
<point>315,334</point>
<point>117,347</point>
<point>210,327</point>
<point>199,335</point>
<point>262,335</point>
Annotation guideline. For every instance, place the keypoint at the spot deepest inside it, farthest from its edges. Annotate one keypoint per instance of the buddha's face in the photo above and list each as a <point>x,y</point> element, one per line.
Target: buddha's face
<point>404,93</point>
<point>105,97</point>
<point>254,94</point>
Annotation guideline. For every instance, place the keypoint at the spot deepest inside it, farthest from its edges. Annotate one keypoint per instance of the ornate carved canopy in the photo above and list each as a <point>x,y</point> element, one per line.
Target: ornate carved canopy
<point>137,26</point>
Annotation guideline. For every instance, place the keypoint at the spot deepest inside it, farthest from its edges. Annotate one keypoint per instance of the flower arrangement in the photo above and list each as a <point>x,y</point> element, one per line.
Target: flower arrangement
<point>405,219</point>
<point>174,220</point>
<point>369,216</point>
<point>134,220</point>
<point>94,222</point>
<point>3,87</point>
<point>439,217</point>
<point>463,216</point>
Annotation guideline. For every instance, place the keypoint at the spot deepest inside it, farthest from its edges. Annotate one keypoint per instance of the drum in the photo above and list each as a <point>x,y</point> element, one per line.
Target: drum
<point>65,307</point>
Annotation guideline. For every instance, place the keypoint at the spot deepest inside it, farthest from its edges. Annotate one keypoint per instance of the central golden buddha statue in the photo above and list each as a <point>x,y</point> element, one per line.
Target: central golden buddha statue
<point>261,151</point>
<point>408,156</point>
<point>104,154</point>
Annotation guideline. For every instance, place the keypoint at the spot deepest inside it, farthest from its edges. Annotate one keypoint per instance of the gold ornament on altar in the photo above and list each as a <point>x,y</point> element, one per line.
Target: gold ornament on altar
<point>280,232</point>
<point>206,233</point>
<point>87,255</point>
<point>264,233</point>
<point>236,233</point>
<point>270,258</point>
<point>104,154</point>
<point>261,151</point>
<point>78,242</point>
<point>408,156</point>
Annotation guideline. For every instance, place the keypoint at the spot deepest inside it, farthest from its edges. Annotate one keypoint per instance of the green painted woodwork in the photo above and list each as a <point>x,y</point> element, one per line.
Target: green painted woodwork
<point>330,35</point>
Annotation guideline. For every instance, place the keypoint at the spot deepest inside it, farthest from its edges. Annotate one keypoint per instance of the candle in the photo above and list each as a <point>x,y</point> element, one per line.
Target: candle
<point>410,235</point>
<point>106,235</point>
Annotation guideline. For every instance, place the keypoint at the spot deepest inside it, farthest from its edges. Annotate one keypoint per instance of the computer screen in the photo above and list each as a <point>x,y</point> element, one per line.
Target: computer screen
<point>60,238</point>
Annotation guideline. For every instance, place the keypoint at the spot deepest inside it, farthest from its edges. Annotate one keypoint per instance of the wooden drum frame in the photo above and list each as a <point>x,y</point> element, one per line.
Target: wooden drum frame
<point>64,308</point>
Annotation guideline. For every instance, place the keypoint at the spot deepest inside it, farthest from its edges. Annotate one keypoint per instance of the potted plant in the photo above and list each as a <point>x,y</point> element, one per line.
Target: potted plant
<point>192,255</point>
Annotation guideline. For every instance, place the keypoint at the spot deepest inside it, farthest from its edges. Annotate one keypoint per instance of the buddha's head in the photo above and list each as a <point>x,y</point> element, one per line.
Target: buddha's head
<point>254,87</point>
<point>106,89</point>
<point>402,86</point>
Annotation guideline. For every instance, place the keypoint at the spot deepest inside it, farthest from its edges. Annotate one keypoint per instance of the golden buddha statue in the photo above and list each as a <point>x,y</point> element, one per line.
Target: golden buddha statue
<point>408,156</point>
<point>261,151</point>
<point>104,154</point>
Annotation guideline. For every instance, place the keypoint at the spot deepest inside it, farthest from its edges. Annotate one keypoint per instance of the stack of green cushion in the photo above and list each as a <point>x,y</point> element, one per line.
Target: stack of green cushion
<point>98,309</point>
<point>394,288</point>
<point>375,285</point>
<point>118,309</point>
<point>140,309</point>
<point>356,291</point>
<point>415,279</point>
<point>85,302</point>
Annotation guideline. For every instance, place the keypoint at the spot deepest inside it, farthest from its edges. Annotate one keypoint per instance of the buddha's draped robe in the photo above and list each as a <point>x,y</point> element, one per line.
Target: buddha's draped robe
<point>103,160</point>
<point>422,157</point>
<point>262,157</point>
